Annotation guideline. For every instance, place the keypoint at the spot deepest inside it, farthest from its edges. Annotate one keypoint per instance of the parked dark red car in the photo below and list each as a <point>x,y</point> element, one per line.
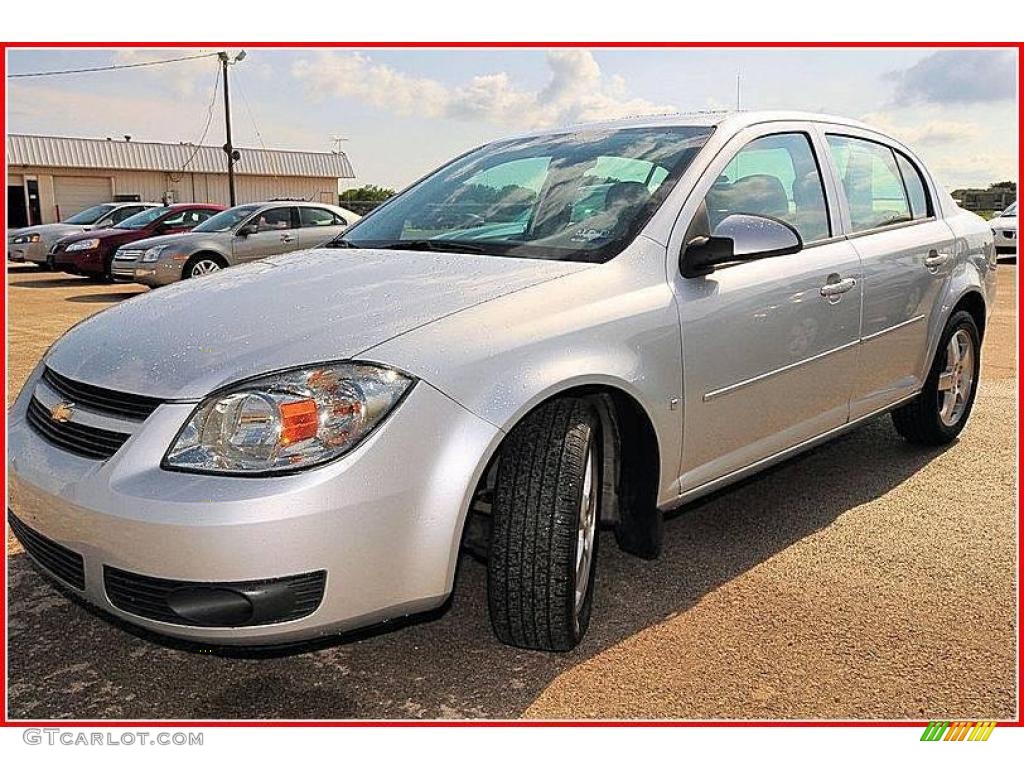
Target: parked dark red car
<point>91,253</point>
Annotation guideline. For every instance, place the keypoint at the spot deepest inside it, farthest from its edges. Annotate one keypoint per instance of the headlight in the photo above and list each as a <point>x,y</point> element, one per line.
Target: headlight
<point>288,420</point>
<point>83,245</point>
<point>152,254</point>
<point>21,239</point>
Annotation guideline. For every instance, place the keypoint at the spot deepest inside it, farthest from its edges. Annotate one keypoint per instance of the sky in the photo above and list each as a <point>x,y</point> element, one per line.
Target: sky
<point>403,112</point>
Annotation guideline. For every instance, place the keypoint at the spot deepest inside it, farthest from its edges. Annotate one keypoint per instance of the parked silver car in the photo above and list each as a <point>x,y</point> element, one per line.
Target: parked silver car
<point>235,236</point>
<point>1004,229</point>
<point>551,334</point>
<point>34,244</point>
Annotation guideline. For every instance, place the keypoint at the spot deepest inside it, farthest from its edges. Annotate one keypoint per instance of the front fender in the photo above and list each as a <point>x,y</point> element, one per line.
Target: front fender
<point>587,329</point>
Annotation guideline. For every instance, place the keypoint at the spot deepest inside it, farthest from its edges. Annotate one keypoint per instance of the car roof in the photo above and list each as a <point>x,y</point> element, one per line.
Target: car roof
<point>733,120</point>
<point>179,206</point>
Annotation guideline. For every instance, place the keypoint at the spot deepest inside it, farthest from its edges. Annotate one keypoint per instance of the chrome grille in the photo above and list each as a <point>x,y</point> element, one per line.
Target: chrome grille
<point>128,255</point>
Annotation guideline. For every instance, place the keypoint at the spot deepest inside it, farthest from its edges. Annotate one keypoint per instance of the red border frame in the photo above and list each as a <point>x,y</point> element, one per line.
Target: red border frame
<point>4,722</point>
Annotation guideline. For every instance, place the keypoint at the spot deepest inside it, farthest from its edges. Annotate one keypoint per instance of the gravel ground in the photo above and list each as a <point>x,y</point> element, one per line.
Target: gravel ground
<point>865,579</point>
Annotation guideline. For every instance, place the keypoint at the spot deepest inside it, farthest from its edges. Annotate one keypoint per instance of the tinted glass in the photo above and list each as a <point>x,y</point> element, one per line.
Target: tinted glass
<point>578,196</point>
<point>187,218</point>
<point>228,219</point>
<point>915,187</point>
<point>123,214</point>
<point>872,183</point>
<point>773,176</point>
<point>274,219</point>
<point>317,217</point>
<point>143,219</point>
<point>89,215</point>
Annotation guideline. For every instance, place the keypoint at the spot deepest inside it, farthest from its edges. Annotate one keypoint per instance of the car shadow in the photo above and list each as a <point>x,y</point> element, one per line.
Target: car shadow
<point>50,282</point>
<point>103,298</point>
<point>69,662</point>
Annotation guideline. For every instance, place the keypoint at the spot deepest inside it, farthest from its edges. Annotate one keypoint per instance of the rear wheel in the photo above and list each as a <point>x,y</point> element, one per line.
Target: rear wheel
<point>198,266</point>
<point>940,412</point>
<point>546,510</point>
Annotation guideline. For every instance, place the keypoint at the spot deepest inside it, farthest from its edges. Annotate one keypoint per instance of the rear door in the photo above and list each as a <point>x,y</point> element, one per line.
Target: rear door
<point>277,231</point>
<point>907,255</point>
<point>318,226</point>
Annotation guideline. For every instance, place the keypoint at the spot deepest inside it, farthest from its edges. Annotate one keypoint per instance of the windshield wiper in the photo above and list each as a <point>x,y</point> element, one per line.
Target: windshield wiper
<point>339,242</point>
<point>450,246</point>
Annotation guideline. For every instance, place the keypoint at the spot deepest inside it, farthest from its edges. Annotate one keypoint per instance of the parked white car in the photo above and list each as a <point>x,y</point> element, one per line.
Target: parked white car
<point>554,333</point>
<point>1004,229</point>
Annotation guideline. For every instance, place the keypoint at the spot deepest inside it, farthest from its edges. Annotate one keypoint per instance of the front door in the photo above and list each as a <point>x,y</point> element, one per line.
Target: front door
<point>769,345</point>
<point>907,256</point>
<point>277,231</point>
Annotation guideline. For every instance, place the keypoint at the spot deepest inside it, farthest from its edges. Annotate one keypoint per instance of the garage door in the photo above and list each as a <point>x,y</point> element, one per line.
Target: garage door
<point>76,193</point>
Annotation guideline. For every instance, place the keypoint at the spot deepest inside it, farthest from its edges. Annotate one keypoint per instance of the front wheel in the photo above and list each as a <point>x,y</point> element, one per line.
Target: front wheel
<point>546,509</point>
<point>940,412</point>
<point>200,266</point>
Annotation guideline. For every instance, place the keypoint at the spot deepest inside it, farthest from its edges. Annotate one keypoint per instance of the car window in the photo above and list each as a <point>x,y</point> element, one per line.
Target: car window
<point>579,195</point>
<point>274,219</point>
<point>116,217</point>
<point>773,176</point>
<point>871,181</point>
<point>89,215</point>
<point>187,218</point>
<point>317,217</point>
<point>916,190</point>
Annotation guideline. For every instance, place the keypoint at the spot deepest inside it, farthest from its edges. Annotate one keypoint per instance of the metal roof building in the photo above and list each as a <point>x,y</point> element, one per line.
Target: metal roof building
<point>52,177</point>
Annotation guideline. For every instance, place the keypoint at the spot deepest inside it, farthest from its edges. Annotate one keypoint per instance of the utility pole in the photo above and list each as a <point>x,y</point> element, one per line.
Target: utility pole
<point>232,153</point>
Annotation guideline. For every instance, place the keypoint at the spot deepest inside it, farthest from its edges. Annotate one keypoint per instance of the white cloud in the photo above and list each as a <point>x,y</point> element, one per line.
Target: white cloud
<point>183,78</point>
<point>933,132</point>
<point>576,91</point>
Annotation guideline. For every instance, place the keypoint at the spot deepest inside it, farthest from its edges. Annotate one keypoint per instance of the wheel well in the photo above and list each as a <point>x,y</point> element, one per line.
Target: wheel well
<point>974,303</point>
<point>213,255</point>
<point>631,467</point>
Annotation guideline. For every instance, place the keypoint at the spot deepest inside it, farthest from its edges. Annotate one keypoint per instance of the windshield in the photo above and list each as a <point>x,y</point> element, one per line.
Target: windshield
<point>90,215</point>
<point>1011,211</point>
<point>142,220</point>
<point>226,220</point>
<point>578,196</point>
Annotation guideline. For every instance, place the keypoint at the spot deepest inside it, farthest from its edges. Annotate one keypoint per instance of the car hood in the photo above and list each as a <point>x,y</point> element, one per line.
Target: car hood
<point>1003,222</point>
<point>50,232</point>
<point>102,234</point>
<point>180,238</point>
<point>186,340</point>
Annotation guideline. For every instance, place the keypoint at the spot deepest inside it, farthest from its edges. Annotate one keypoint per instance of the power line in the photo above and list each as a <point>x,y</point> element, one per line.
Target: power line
<point>110,67</point>
<point>255,127</point>
<point>209,119</point>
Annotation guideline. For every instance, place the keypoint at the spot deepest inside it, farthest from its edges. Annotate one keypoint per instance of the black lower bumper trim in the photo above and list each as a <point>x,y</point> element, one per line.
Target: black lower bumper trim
<point>215,604</point>
<point>55,559</point>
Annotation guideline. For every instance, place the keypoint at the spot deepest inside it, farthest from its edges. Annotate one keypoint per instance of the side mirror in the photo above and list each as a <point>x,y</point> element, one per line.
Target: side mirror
<point>738,237</point>
<point>249,229</point>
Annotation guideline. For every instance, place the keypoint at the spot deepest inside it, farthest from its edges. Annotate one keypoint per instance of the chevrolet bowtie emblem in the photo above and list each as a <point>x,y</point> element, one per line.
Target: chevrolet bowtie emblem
<point>62,412</point>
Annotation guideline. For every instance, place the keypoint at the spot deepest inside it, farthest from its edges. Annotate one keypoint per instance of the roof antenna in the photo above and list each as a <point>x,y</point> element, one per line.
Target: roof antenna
<point>737,91</point>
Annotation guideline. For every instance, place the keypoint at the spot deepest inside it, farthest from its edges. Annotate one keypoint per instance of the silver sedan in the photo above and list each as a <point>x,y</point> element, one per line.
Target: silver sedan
<point>235,236</point>
<point>552,334</point>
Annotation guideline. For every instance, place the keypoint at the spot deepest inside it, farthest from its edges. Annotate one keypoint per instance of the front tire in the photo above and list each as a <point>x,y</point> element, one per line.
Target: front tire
<point>940,412</point>
<point>199,266</point>
<point>546,509</point>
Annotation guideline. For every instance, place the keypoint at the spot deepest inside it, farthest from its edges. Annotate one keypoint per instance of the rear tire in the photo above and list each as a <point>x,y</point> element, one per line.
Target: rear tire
<point>940,412</point>
<point>546,510</point>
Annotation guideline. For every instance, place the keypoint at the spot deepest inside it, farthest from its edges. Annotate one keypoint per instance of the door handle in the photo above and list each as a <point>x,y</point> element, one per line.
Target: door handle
<point>833,290</point>
<point>287,238</point>
<point>934,260</point>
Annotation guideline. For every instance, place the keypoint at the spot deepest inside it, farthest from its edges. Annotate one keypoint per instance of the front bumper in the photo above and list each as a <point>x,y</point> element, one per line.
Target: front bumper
<point>384,522</point>
<point>154,273</point>
<point>81,262</point>
<point>34,252</point>
<point>1005,241</point>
